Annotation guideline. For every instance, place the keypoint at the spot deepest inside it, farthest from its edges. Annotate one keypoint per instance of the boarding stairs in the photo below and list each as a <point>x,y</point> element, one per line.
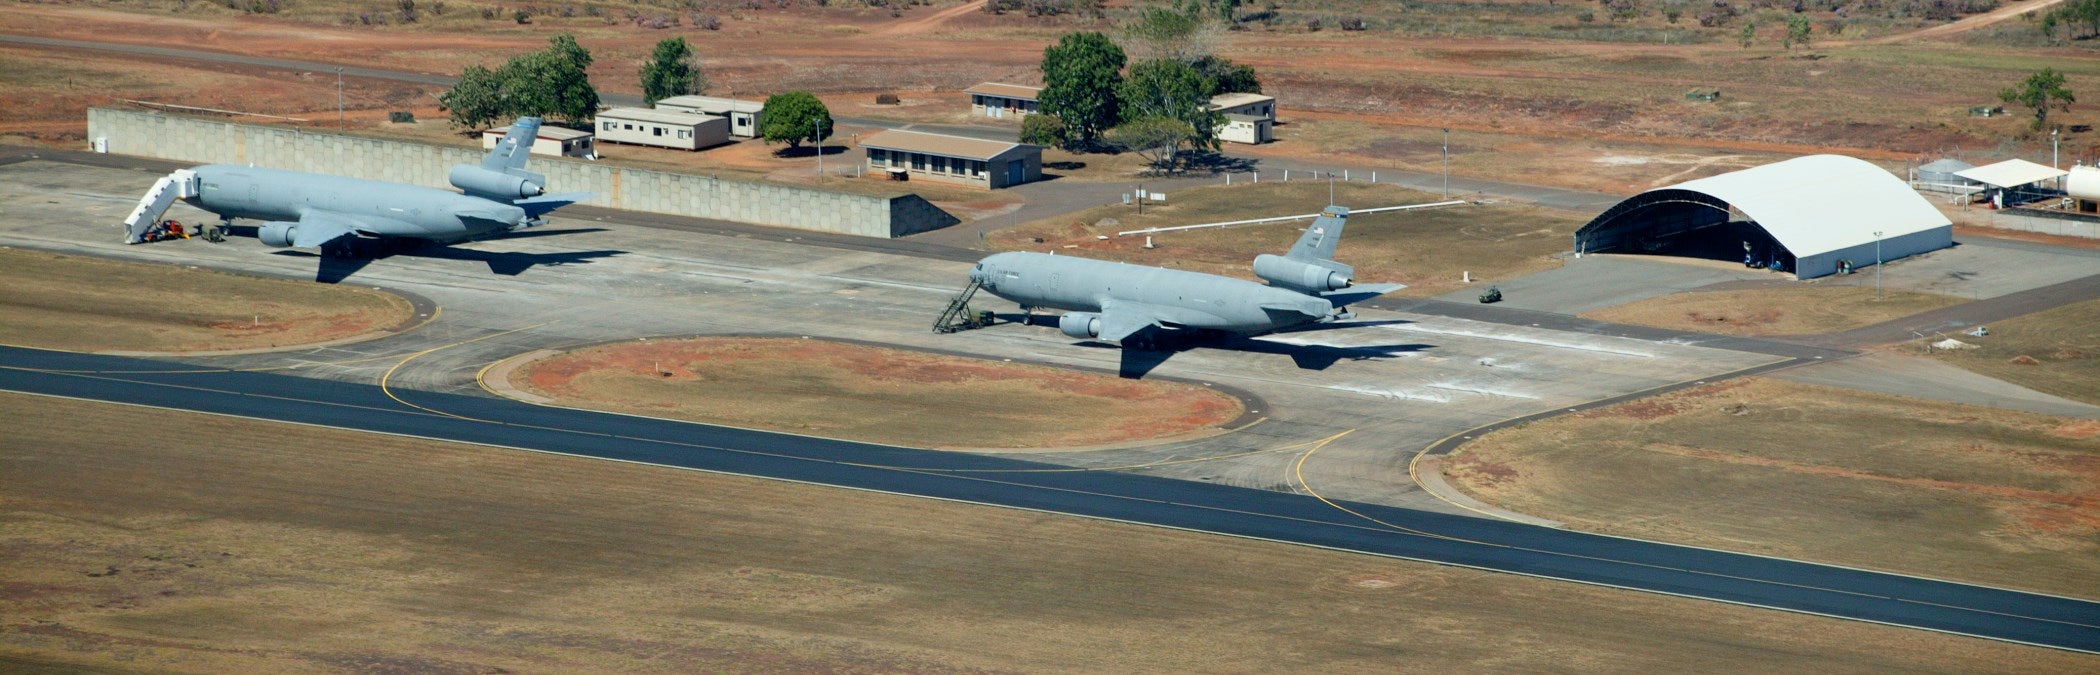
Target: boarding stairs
<point>182,183</point>
<point>957,316</point>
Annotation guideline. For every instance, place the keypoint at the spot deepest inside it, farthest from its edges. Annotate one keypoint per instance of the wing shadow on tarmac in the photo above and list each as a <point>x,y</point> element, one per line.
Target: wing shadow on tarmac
<point>335,269</point>
<point>1140,361</point>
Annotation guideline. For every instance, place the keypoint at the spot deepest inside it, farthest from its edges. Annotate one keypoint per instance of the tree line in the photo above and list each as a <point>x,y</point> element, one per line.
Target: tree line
<point>1096,98</point>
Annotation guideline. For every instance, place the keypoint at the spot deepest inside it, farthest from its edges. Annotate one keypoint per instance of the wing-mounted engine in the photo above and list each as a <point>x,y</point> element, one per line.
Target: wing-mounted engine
<point>1304,276</point>
<point>503,186</point>
<point>1080,325</point>
<point>277,233</point>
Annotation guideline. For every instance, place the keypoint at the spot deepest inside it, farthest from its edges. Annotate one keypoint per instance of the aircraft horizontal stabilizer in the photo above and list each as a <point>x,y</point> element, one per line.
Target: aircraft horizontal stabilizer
<point>1360,293</point>
<point>544,204</point>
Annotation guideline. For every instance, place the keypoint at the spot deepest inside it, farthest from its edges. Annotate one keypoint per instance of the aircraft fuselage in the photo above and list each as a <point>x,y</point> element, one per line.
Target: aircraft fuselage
<point>381,209</point>
<point>1181,298</point>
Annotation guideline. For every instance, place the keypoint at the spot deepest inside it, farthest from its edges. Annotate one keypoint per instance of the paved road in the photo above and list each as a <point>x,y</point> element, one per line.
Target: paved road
<point>2052,621</point>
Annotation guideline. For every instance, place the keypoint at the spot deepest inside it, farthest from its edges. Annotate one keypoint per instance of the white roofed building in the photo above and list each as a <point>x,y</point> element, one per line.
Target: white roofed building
<point>1812,211</point>
<point>1001,100</point>
<point>1249,118</point>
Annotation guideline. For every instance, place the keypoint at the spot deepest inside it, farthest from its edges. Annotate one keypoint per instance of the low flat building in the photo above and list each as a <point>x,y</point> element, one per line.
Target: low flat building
<point>552,141</point>
<point>662,128</point>
<point>912,155</point>
<point>743,115</point>
<point>1249,118</point>
<point>1000,101</point>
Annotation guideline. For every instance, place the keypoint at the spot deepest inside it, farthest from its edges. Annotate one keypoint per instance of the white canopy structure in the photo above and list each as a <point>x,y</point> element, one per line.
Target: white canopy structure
<point>2011,173</point>
<point>1821,209</point>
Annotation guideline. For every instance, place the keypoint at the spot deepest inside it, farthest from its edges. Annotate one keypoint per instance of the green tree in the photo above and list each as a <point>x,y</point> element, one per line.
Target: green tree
<point>1160,33</point>
<point>794,117</point>
<point>2042,91</point>
<point>1080,76</point>
<point>1227,77</point>
<point>1044,129</point>
<point>1749,33</point>
<point>1797,30</point>
<point>670,72</point>
<point>1157,139</point>
<point>552,82</point>
<point>1172,90</point>
<point>477,100</point>
<point>2073,13</point>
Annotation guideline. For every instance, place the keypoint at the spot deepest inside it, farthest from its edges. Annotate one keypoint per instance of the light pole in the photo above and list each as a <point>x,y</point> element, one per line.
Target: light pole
<point>817,130</point>
<point>1447,163</point>
<point>338,98</point>
<point>2053,158</point>
<point>1877,265</point>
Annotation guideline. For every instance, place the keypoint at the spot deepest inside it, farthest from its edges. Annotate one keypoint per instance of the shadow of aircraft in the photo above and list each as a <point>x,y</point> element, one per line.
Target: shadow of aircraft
<point>1138,361</point>
<point>337,268</point>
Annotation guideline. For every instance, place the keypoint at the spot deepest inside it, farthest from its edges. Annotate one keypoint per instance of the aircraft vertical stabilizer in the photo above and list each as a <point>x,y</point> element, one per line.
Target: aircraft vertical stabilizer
<point>511,152</point>
<point>1318,241</point>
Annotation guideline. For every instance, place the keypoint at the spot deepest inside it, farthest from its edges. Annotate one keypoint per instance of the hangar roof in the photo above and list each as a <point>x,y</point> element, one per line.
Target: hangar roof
<point>1822,203</point>
<point>2011,173</point>
<point>941,144</point>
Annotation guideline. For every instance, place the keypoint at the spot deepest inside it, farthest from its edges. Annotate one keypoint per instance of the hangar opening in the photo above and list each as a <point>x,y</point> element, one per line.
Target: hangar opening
<point>1808,215</point>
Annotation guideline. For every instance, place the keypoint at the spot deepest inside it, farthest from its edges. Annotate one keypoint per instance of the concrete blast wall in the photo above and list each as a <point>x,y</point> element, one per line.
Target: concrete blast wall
<point>211,141</point>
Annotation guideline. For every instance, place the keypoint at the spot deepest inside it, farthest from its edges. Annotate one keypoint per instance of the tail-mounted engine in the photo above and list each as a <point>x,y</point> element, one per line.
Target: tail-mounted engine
<point>497,185</point>
<point>1304,276</point>
<point>1080,325</point>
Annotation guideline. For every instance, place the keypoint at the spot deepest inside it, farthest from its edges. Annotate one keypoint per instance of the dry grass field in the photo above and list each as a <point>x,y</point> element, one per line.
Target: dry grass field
<point>192,543</point>
<point>2055,352</point>
<point>1777,468</point>
<point>1794,309</point>
<point>873,394</point>
<point>1531,89</point>
<point>1429,250</point>
<point>86,304</point>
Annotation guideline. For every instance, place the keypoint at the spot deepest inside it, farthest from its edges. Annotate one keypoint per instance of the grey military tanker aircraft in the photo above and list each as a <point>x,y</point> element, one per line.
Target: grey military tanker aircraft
<point>1127,304</point>
<point>334,213</point>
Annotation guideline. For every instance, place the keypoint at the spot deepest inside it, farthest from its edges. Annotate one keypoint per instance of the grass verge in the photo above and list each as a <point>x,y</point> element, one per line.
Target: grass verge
<point>1777,468</point>
<point>86,304</point>
<point>873,394</point>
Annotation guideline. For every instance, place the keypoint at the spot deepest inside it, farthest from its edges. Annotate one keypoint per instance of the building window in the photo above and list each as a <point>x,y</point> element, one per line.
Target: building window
<point>877,156</point>
<point>609,126</point>
<point>918,161</point>
<point>977,169</point>
<point>940,164</point>
<point>656,131</point>
<point>628,127</point>
<point>685,134</point>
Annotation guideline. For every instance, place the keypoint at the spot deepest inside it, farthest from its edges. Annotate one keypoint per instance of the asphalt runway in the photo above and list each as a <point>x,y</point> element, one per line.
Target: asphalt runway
<point>2042,620</point>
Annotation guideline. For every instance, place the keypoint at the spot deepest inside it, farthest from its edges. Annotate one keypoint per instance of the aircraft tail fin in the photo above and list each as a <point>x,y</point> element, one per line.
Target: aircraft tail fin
<point>1319,240</point>
<point>511,152</point>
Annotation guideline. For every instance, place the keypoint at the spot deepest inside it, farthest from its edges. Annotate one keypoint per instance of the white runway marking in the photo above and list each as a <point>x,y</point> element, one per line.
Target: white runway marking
<point>1558,344</point>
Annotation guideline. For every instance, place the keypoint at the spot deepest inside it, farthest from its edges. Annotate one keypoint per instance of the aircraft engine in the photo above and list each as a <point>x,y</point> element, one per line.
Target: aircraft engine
<point>1081,325</point>
<point>278,234</point>
<point>1302,276</point>
<point>482,182</point>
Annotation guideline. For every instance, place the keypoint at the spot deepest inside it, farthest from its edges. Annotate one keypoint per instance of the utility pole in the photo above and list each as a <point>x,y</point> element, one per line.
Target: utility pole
<point>339,98</point>
<point>2053,158</point>
<point>817,125</point>
<point>1447,163</point>
<point>1877,265</point>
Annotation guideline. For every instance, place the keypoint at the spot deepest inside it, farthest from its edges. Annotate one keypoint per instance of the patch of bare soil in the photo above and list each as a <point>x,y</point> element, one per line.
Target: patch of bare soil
<point>180,542</point>
<point>873,394</point>
<point>1429,250</point>
<point>86,304</point>
<point>1798,309</point>
<point>1778,468</point>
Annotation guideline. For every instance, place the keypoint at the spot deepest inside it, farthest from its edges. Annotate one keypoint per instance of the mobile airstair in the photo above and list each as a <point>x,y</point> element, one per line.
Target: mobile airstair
<point>958,315</point>
<point>182,183</point>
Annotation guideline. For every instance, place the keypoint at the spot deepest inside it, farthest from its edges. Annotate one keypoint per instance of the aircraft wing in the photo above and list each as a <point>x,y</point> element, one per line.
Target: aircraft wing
<point>1123,319</point>
<point>316,228</point>
<point>1359,293</point>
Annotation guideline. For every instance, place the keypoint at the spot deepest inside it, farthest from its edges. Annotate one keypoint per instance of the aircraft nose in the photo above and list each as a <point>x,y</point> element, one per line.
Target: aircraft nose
<point>979,273</point>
